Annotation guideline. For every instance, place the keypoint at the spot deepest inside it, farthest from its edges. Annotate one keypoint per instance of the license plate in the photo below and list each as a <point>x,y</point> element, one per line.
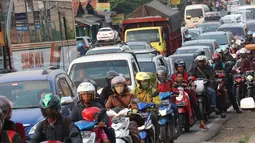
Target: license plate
<point>86,134</point>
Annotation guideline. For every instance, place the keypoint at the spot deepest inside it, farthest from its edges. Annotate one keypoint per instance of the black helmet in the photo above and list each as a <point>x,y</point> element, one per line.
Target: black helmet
<point>1,120</point>
<point>199,52</point>
<point>111,74</point>
<point>5,107</point>
<point>50,101</point>
<point>161,70</point>
<point>179,63</point>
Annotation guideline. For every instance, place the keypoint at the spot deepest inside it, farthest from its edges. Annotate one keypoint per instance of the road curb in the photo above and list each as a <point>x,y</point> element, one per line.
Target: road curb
<point>252,139</point>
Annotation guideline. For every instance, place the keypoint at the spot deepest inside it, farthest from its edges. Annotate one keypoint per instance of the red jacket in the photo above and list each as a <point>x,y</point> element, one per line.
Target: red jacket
<point>186,76</point>
<point>165,87</point>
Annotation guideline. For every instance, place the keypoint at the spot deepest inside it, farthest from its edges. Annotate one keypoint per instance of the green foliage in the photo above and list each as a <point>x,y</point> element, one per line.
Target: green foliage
<point>126,6</point>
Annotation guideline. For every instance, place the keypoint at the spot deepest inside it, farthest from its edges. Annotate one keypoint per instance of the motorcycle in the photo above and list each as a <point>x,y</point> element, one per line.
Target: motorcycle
<point>147,131</point>
<point>186,114</point>
<point>168,121</point>
<point>120,124</point>
<point>52,141</point>
<point>203,97</point>
<point>85,129</point>
<point>238,81</point>
<point>249,83</point>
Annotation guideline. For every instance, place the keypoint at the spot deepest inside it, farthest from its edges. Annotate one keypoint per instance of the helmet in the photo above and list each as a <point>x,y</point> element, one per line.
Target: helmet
<point>226,51</point>
<point>161,70</point>
<point>216,56</point>
<point>199,52</point>
<point>242,50</point>
<point>118,80</point>
<point>50,101</point>
<point>179,63</point>
<point>86,87</point>
<point>140,76</point>
<point>200,58</point>
<point>5,107</point>
<point>92,82</point>
<point>111,74</point>
<point>90,113</point>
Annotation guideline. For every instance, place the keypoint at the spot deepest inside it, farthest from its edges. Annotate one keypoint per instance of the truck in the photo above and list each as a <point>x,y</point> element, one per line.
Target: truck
<point>160,25</point>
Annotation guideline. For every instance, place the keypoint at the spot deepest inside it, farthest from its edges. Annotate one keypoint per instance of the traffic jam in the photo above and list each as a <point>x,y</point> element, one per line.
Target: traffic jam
<point>165,76</point>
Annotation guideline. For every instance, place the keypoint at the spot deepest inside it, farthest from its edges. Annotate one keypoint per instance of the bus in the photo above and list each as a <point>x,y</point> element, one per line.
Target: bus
<point>36,34</point>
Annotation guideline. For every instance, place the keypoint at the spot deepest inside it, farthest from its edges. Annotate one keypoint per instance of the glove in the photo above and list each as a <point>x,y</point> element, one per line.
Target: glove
<point>134,111</point>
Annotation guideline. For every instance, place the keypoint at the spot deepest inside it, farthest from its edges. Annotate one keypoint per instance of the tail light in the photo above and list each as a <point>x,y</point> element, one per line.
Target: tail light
<point>238,79</point>
<point>220,75</point>
<point>110,33</point>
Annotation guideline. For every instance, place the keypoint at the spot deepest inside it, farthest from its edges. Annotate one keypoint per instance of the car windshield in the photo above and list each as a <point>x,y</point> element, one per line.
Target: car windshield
<point>137,46</point>
<point>103,30</point>
<point>150,35</point>
<point>194,12</point>
<point>221,39</point>
<point>97,71</point>
<point>208,27</point>
<point>251,26</point>
<point>94,52</point>
<point>25,94</point>
<point>147,67</point>
<point>236,31</point>
<point>188,60</point>
<point>194,34</point>
<point>185,51</point>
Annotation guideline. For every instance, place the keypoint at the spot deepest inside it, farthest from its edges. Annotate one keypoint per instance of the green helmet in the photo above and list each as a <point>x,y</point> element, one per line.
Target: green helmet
<point>50,101</point>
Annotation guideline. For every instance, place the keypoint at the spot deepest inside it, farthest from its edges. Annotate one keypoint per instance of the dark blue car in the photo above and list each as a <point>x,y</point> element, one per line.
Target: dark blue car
<point>25,89</point>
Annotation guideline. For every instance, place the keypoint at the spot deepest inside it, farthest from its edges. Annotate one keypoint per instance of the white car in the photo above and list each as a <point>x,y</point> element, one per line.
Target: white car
<point>107,34</point>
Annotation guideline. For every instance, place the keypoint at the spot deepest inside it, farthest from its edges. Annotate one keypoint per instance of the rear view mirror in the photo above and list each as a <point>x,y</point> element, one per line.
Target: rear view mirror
<point>66,100</point>
<point>136,100</point>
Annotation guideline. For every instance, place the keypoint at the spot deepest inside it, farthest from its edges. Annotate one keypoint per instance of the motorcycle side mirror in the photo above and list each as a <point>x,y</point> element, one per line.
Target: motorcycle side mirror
<point>136,100</point>
<point>192,78</point>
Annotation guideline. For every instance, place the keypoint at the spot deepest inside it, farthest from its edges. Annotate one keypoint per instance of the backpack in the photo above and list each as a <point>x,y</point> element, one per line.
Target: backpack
<point>11,135</point>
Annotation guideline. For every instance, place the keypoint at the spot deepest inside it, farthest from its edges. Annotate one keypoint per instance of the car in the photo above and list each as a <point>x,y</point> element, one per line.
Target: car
<point>107,49</point>
<point>238,30</point>
<point>188,58</point>
<point>150,62</point>
<point>223,38</point>
<point>212,16</point>
<point>232,5</point>
<point>195,32</point>
<point>85,40</point>
<point>192,50</point>
<point>139,45</point>
<point>107,34</point>
<point>208,26</point>
<point>246,14</point>
<point>95,67</point>
<point>250,29</point>
<point>233,18</point>
<point>24,89</point>
<point>206,42</point>
<point>247,7</point>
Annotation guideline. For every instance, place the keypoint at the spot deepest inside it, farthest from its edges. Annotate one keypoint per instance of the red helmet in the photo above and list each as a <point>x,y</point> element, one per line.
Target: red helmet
<point>90,113</point>
<point>216,56</point>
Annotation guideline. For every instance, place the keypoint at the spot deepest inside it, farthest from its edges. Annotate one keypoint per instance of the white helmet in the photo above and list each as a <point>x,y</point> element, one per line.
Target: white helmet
<point>118,80</point>
<point>86,87</point>
<point>201,58</point>
<point>243,50</point>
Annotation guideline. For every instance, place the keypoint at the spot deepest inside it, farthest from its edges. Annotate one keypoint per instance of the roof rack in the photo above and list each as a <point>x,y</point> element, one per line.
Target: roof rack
<point>99,44</point>
<point>50,68</point>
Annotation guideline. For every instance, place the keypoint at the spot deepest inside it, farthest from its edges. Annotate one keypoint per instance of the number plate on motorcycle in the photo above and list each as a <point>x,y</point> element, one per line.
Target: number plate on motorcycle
<point>165,102</point>
<point>86,134</point>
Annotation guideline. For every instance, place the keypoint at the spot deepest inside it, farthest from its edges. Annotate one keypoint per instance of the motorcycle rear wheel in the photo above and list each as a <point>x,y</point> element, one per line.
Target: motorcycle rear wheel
<point>162,134</point>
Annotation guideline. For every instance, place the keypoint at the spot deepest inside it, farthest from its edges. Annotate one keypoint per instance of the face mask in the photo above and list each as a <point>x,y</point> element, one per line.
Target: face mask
<point>51,114</point>
<point>162,79</point>
<point>145,85</point>
<point>119,89</point>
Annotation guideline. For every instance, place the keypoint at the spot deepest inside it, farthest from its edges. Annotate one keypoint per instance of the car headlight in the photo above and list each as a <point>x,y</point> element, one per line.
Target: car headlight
<point>32,130</point>
<point>249,78</point>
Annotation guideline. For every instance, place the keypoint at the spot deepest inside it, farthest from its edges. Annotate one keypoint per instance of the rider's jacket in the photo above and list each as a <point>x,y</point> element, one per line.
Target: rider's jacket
<point>204,72</point>
<point>166,87</point>
<point>16,127</point>
<point>146,95</point>
<point>9,136</point>
<point>122,101</point>
<point>247,65</point>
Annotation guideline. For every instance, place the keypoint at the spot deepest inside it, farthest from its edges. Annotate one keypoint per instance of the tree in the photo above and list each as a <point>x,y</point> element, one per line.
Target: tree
<point>126,6</point>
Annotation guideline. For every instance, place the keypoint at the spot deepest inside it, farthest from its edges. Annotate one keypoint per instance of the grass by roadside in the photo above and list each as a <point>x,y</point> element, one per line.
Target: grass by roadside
<point>244,139</point>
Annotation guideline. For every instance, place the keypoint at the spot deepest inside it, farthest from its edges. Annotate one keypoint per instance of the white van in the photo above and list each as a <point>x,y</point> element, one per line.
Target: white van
<point>195,14</point>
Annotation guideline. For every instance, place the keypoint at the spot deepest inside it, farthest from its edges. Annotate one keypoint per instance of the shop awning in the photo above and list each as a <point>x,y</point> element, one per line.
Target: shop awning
<point>88,20</point>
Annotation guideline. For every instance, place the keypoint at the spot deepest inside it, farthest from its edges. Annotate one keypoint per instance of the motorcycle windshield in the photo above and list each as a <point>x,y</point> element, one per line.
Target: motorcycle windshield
<point>143,105</point>
<point>165,95</point>
<point>85,125</point>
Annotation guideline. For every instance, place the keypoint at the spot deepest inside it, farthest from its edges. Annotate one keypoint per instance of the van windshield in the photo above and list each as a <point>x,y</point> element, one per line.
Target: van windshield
<point>150,35</point>
<point>221,39</point>
<point>194,12</point>
<point>97,71</point>
<point>236,31</point>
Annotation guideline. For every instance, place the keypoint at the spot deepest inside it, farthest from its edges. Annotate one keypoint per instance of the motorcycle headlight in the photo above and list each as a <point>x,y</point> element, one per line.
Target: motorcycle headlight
<point>180,97</point>
<point>32,130</point>
<point>249,78</point>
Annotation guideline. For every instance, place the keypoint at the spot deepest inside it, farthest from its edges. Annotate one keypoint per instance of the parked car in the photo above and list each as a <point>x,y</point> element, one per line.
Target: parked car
<point>95,67</point>
<point>192,50</point>
<point>206,42</point>
<point>188,58</point>
<point>24,89</point>
<point>238,30</point>
<point>223,38</point>
<point>107,34</point>
<point>107,49</point>
<point>195,32</point>
<point>208,26</point>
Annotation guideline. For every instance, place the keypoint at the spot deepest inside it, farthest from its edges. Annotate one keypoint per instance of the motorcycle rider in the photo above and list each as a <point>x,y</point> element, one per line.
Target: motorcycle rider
<point>8,123</point>
<point>237,66</point>
<point>87,95</point>
<point>248,63</point>
<point>55,126</point>
<point>124,99</point>
<point>199,52</point>
<point>227,56</point>
<point>180,67</point>
<point>202,70</point>
<point>8,136</point>
<point>146,92</point>
<point>107,90</point>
